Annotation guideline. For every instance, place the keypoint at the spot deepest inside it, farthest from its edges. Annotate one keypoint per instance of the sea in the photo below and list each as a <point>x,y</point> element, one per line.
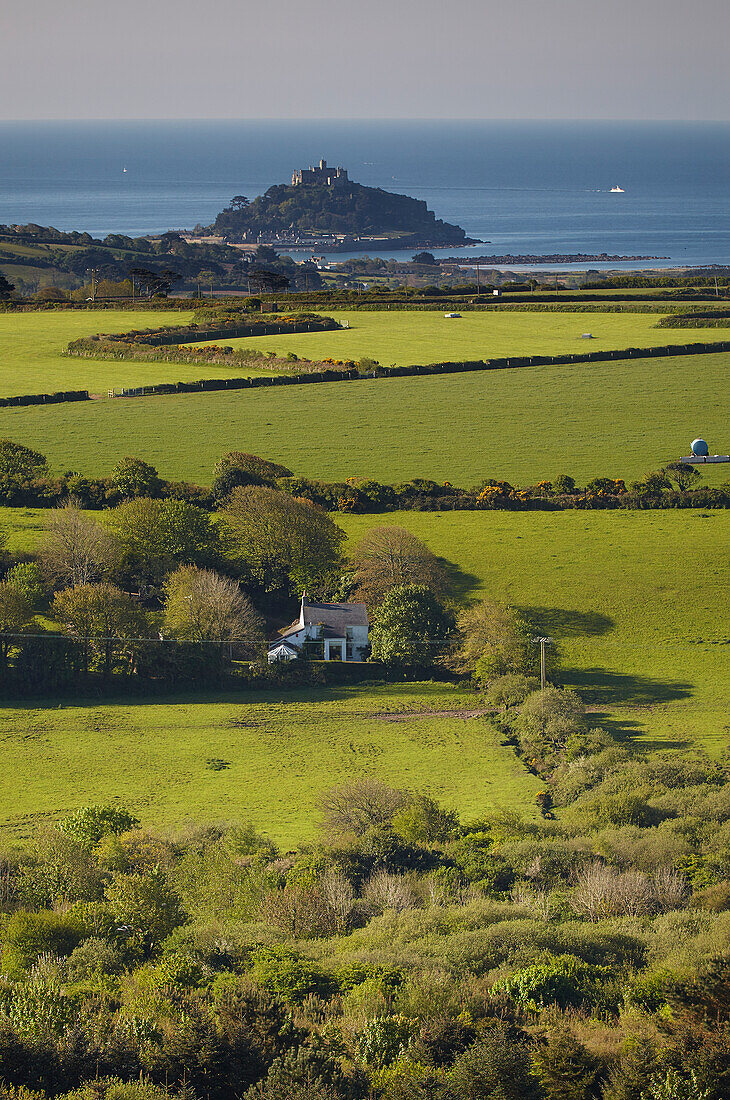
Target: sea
<point>534,188</point>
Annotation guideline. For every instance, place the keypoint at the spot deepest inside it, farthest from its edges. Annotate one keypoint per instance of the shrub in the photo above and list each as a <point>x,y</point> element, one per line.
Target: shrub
<point>561,980</point>
<point>132,477</point>
<point>360,804</point>
<point>283,972</point>
<point>384,1039</point>
<point>26,936</point>
<point>146,907</point>
<point>495,1066</point>
<point>89,824</point>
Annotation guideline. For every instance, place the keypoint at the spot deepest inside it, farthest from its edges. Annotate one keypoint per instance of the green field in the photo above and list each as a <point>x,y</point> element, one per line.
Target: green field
<point>402,338</point>
<point>31,345</point>
<point>281,751</point>
<point>637,602</point>
<point>620,419</point>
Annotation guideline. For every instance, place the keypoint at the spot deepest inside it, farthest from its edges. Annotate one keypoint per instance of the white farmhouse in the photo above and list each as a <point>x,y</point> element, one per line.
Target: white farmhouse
<point>326,631</point>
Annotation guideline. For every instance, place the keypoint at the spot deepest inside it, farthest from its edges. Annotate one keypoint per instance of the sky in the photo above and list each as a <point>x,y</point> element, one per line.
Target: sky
<point>529,59</point>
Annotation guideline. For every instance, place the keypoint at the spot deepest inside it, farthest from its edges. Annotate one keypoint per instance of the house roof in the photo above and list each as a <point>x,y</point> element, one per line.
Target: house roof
<point>333,617</point>
<point>281,643</point>
<point>293,629</point>
<point>336,616</point>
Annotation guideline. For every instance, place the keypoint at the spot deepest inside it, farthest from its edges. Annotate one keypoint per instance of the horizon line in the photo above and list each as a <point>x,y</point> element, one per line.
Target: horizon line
<point>373,119</point>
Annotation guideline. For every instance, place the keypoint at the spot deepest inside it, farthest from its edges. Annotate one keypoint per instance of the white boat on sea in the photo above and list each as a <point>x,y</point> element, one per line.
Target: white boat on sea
<point>617,191</point>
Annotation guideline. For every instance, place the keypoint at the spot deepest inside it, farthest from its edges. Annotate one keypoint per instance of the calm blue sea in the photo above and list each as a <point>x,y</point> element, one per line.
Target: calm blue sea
<point>524,187</point>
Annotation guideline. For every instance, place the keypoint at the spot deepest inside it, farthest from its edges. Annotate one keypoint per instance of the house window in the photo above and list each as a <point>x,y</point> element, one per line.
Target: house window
<point>335,651</point>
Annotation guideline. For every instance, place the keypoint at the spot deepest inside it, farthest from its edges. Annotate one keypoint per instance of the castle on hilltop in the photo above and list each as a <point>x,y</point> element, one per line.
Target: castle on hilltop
<point>331,177</point>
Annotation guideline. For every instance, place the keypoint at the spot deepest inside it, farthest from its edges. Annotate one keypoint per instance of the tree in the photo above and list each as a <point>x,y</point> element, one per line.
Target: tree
<point>424,258</point>
<point>654,482</point>
<point>26,578</point>
<point>132,477</point>
<point>7,290</point>
<point>19,466</point>
<point>284,543</point>
<point>155,536</point>
<point>98,616</point>
<point>146,906</point>
<point>412,627</point>
<point>361,804</point>
<point>201,605</point>
<point>265,280</point>
<point>494,641</point>
<point>684,477</point>
<point>387,557</point>
<point>239,202</point>
<point>564,483</point>
<point>77,550</point>
<point>238,468</point>
<point>567,1071</point>
<point>495,1066</point>
<point>16,613</point>
<point>91,823</point>
<point>153,282</point>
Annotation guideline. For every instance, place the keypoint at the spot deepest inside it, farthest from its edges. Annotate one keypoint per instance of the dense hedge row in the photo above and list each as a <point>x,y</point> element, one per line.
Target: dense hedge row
<point>488,303</point>
<point>548,360</point>
<point>118,350</point>
<point>45,398</point>
<point>266,325</point>
<point>719,318</point>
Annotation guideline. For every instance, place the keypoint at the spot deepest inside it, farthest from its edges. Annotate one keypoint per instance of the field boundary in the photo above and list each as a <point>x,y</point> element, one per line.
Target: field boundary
<point>354,374</point>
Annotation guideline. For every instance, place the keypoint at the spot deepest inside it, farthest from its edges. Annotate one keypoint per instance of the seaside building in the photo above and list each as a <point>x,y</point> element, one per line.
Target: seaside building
<point>331,177</point>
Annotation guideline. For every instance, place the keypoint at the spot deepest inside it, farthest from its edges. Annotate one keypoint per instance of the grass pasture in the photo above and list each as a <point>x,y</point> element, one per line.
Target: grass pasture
<point>402,338</point>
<point>279,752</point>
<point>31,346</point>
<point>637,602</point>
<point>620,418</point>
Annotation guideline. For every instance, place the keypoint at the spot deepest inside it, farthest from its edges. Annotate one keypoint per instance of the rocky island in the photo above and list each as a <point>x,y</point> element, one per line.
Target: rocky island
<point>323,208</point>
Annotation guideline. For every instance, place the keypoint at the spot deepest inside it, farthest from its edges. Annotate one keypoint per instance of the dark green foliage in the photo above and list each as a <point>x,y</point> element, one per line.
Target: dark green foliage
<point>134,478</point>
<point>237,468</point>
<point>289,976</point>
<point>494,1068</point>
<point>25,936</point>
<point>7,290</point>
<point>19,466</point>
<point>565,1068</point>
<point>412,627</point>
<point>145,908</point>
<point>351,208</point>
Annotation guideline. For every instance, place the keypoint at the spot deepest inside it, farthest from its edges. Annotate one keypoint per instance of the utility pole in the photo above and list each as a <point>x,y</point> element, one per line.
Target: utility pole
<point>478,280</point>
<point>542,642</point>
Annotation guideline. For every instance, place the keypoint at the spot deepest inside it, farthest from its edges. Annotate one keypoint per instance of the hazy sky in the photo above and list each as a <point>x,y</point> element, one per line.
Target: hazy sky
<point>364,59</point>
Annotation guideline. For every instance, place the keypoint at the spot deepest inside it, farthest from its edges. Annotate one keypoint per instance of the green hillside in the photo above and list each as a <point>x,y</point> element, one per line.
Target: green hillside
<point>403,338</point>
<point>279,753</point>
<point>637,602</point>
<point>619,418</point>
